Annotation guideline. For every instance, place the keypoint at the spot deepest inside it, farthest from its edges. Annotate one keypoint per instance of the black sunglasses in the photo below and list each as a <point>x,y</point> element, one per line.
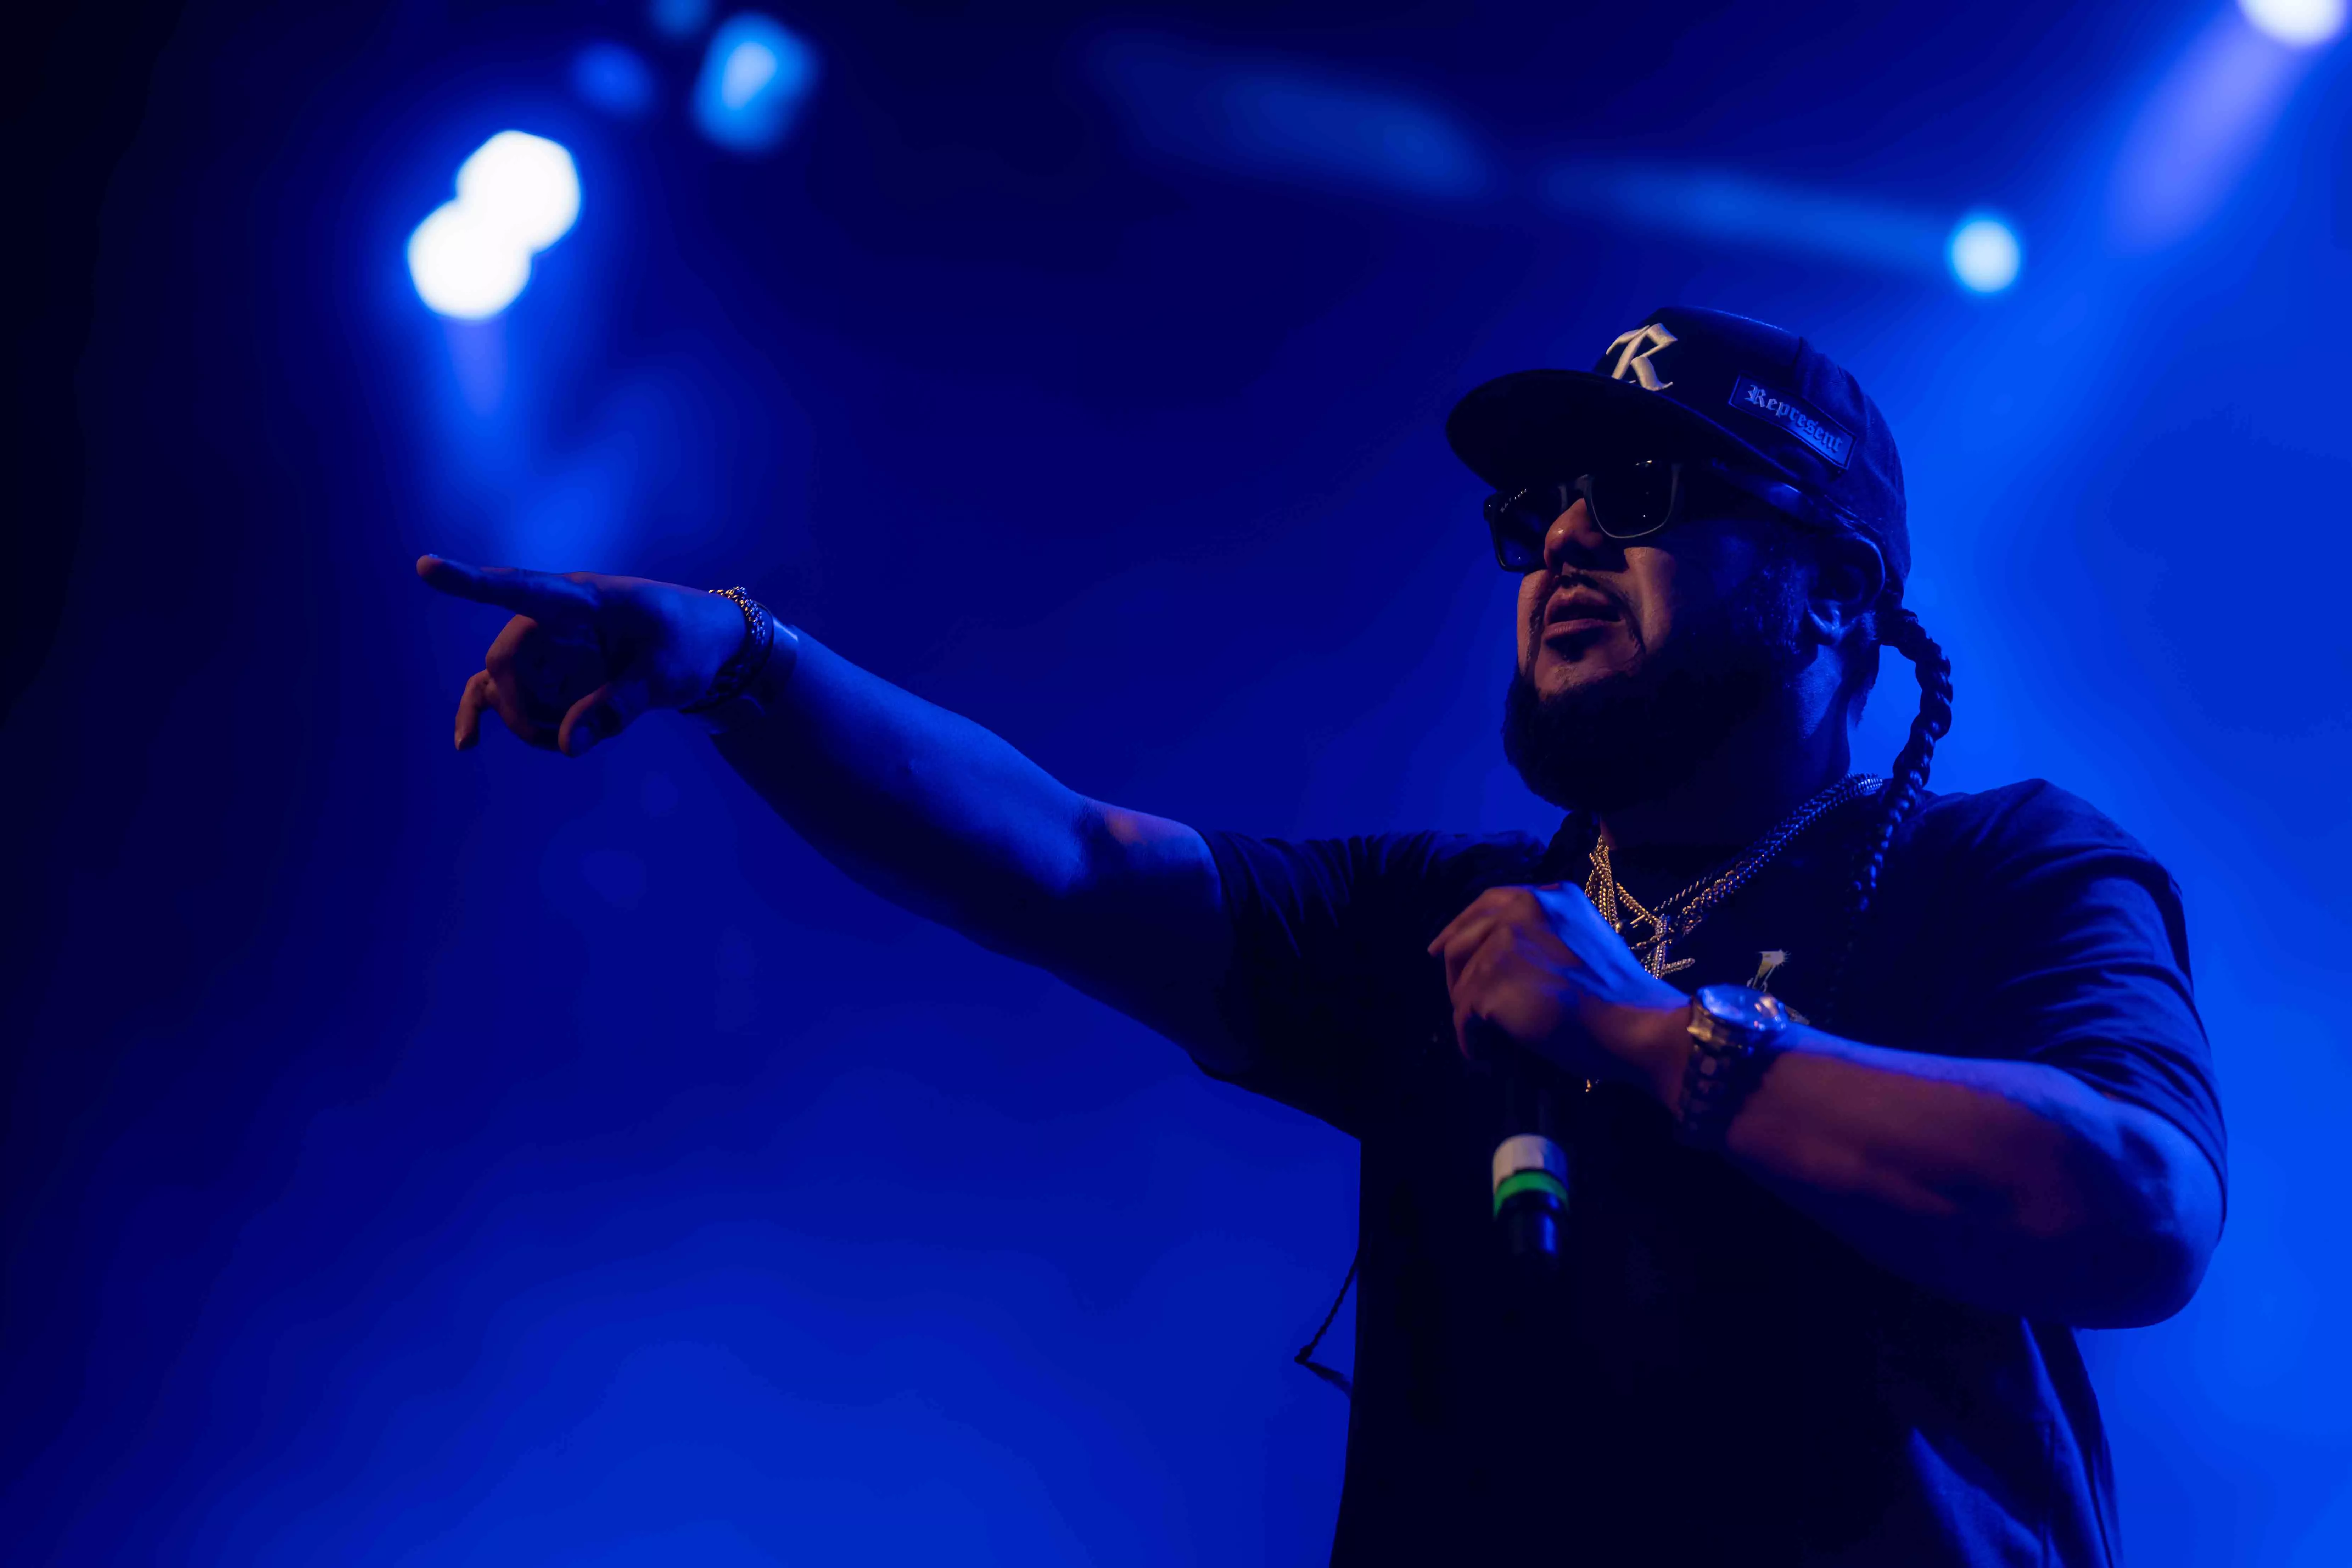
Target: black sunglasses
<point>1633,500</point>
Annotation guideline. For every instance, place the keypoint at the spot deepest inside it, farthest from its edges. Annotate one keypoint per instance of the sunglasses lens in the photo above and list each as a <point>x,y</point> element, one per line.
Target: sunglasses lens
<point>1630,499</point>
<point>1626,500</point>
<point>1518,521</point>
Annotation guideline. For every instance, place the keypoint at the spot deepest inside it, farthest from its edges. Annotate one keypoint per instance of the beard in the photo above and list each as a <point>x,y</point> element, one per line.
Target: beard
<point>1641,735</point>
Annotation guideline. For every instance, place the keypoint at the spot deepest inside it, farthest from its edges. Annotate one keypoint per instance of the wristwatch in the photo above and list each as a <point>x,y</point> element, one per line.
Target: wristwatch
<point>1734,1033</point>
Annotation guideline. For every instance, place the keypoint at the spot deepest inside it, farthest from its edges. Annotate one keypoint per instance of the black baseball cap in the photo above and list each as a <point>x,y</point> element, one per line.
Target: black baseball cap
<point>1691,382</point>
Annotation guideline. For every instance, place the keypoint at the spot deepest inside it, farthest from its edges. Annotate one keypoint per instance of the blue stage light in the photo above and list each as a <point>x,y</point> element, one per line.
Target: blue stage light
<point>678,18</point>
<point>518,194</point>
<point>613,80</point>
<point>2306,23</point>
<point>754,79</point>
<point>1350,134</point>
<point>2206,123</point>
<point>1985,255</point>
<point>1739,208</point>
<point>1290,121</point>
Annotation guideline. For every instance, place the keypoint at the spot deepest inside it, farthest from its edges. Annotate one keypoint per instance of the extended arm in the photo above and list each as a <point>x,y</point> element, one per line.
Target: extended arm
<point>2010,1184</point>
<point>919,804</point>
<point>943,818</point>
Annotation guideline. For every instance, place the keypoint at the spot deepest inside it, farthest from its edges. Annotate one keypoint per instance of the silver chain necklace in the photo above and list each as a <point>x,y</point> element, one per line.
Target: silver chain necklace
<point>1675,918</point>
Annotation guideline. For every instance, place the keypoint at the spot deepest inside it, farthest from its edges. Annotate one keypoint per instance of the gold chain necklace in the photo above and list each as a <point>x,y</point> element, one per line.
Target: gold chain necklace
<point>1675,918</point>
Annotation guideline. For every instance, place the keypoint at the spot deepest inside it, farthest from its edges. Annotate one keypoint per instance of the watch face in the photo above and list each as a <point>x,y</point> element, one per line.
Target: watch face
<point>1742,1008</point>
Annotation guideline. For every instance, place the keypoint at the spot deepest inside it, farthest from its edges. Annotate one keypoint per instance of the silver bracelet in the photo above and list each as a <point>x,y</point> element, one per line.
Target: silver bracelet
<point>747,660</point>
<point>763,643</point>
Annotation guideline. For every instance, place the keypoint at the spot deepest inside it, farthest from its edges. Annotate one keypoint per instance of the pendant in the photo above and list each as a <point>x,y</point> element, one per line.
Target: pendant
<point>1656,962</point>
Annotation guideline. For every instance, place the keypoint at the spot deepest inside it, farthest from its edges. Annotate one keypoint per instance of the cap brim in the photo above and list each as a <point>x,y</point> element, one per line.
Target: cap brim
<point>1537,424</point>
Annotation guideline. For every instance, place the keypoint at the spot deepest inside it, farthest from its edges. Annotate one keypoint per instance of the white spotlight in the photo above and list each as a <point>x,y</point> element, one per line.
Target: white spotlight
<point>2304,24</point>
<point>1985,255</point>
<point>517,194</point>
<point>523,185</point>
<point>466,268</point>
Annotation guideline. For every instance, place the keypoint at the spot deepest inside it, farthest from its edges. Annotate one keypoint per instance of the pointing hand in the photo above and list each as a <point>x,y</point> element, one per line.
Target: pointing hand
<point>584,654</point>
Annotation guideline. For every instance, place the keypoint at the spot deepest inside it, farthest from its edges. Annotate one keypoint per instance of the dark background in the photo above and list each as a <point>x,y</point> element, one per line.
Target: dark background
<point>438,1159</point>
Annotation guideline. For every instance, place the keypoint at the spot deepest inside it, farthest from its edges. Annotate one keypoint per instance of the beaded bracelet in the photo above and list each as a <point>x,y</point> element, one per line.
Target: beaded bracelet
<point>749,660</point>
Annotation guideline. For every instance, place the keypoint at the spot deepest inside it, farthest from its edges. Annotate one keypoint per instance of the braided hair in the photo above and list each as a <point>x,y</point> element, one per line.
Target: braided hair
<point>1895,626</point>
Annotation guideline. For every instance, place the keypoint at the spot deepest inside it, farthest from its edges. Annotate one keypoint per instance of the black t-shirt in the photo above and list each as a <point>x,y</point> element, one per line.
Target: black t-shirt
<point>1717,1379</point>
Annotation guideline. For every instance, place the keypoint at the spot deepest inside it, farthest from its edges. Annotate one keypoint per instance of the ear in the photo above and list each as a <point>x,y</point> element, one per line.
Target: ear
<point>1847,579</point>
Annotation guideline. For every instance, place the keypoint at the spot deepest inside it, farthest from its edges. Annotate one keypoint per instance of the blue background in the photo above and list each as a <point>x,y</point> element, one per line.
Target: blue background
<point>491,1159</point>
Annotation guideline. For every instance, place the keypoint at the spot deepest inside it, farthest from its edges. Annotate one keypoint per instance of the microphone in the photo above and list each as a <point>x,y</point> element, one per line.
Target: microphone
<point>1530,1168</point>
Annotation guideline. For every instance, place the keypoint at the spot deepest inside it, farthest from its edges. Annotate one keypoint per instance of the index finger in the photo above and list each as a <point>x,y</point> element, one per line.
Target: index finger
<point>542,595</point>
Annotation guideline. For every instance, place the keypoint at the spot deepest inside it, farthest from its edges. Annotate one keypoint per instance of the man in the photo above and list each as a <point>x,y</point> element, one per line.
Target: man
<point>1942,1094</point>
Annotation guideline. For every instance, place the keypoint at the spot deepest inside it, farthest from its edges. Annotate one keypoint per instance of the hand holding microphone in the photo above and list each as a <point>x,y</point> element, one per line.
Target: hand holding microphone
<point>1536,973</point>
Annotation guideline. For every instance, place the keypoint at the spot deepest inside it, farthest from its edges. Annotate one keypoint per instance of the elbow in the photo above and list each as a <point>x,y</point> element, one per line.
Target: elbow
<point>2141,1280</point>
<point>2151,1241</point>
<point>2175,1281</point>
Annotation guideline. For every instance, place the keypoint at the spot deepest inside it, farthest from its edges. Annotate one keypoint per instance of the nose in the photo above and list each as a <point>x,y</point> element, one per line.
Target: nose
<point>1575,540</point>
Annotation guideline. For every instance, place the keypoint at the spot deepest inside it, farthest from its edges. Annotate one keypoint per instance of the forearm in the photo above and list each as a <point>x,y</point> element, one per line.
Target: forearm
<point>2007,1184</point>
<point>919,805</point>
<point>936,814</point>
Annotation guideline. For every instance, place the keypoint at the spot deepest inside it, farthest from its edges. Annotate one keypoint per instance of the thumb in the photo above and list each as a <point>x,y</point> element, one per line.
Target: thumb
<point>601,715</point>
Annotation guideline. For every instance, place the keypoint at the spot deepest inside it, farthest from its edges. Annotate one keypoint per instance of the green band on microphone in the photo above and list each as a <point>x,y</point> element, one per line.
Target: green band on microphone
<point>1519,1181</point>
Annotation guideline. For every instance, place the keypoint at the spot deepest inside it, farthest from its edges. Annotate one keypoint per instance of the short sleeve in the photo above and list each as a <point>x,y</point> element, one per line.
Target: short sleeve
<point>1329,973</point>
<point>2090,966</point>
